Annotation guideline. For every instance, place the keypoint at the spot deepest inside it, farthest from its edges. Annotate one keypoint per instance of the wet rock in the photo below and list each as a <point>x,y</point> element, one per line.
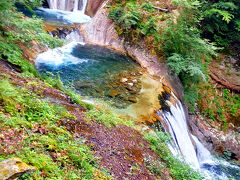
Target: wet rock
<point>130,84</point>
<point>114,93</point>
<point>132,99</point>
<point>54,33</point>
<point>62,35</point>
<point>93,6</point>
<point>166,89</point>
<point>134,81</point>
<point>130,88</point>
<point>65,30</point>
<point>123,80</point>
<point>13,168</point>
<point>213,139</point>
<point>59,29</point>
<point>133,92</point>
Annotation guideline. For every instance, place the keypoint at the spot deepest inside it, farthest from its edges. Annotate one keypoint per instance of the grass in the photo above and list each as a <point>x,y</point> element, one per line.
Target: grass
<point>108,118</point>
<point>177,169</point>
<point>54,152</point>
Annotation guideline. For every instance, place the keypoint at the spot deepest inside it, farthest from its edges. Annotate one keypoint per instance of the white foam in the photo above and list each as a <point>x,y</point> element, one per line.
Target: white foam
<point>71,17</point>
<point>59,56</point>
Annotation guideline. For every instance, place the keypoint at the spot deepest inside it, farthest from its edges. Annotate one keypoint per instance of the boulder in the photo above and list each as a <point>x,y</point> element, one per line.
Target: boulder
<point>132,99</point>
<point>13,168</point>
<point>54,33</point>
<point>114,93</point>
<point>123,80</point>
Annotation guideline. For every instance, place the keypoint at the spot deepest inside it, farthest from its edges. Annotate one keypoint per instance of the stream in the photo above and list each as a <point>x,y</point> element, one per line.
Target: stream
<point>99,73</point>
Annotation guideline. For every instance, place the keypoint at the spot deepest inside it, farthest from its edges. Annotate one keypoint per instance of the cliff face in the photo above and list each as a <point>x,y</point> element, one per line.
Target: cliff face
<point>92,7</point>
<point>100,31</point>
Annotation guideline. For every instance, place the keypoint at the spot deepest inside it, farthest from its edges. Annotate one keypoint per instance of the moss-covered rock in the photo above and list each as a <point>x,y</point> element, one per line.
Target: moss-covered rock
<point>13,168</point>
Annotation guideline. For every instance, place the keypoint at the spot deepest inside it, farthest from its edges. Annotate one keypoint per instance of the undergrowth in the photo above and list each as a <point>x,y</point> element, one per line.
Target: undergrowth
<point>220,105</point>
<point>17,31</point>
<point>177,169</point>
<point>54,152</point>
<point>107,117</point>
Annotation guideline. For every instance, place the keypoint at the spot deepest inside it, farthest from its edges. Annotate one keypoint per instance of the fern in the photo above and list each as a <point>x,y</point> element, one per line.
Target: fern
<point>226,16</point>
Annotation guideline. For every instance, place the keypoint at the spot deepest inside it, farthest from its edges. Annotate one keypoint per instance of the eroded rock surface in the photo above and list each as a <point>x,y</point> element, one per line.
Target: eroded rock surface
<point>216,140</point>
<point>13,168</point>
<point>93,6</point>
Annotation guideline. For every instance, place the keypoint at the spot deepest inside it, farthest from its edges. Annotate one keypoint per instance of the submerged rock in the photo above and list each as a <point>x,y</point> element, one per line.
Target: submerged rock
<point>132,99</point>
<point>13,168</point>
<point>123,80</point>
<point>130,84</point>
<point>114,93</point>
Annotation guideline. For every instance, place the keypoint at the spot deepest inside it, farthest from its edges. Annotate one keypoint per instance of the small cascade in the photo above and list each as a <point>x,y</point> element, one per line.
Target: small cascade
<point>186,145</point>
<point>75,36</point>
<point>68,5</point>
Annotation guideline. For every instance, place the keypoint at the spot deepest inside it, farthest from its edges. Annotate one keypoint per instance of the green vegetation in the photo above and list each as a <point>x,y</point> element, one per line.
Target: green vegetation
<point>219,104</point>
<point>107,118</point>
<point>221,23</point>
<point>55,153</point>
<point>55,81</point>
<point>178,38</point>
<point>177,169</point>
<point>17,31</point>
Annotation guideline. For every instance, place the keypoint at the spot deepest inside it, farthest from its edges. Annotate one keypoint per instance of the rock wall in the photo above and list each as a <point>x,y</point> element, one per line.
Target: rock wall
<point>216,140</point>
<point>92,7</point>
<point>100,31</point>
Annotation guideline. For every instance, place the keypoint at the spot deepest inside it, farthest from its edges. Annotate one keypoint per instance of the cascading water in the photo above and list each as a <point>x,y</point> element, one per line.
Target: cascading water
<point>68,5</point>
<point>198,157</point>
<point>64,12</point>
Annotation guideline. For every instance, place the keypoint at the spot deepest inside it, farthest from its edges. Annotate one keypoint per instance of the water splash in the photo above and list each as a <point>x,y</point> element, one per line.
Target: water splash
<point>59,56</point>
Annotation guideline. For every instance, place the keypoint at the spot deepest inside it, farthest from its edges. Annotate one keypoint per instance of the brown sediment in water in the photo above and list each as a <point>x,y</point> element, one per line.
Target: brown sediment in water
<point>147,101</point>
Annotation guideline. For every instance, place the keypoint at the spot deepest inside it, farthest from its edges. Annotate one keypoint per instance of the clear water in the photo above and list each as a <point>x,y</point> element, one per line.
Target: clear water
<point>93,71</point>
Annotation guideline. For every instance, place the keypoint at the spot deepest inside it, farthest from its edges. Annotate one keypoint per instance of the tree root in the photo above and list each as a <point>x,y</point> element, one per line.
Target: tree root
<point>223,82</point>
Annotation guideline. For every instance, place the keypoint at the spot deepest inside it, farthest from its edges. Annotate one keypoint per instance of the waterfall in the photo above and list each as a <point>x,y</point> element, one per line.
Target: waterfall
<point>68,5</point>
<point>186,145</point>
<point>177,126</point>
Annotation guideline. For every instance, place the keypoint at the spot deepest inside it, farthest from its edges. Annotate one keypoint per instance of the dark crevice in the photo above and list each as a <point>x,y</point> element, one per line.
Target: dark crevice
<point>45,4</point>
